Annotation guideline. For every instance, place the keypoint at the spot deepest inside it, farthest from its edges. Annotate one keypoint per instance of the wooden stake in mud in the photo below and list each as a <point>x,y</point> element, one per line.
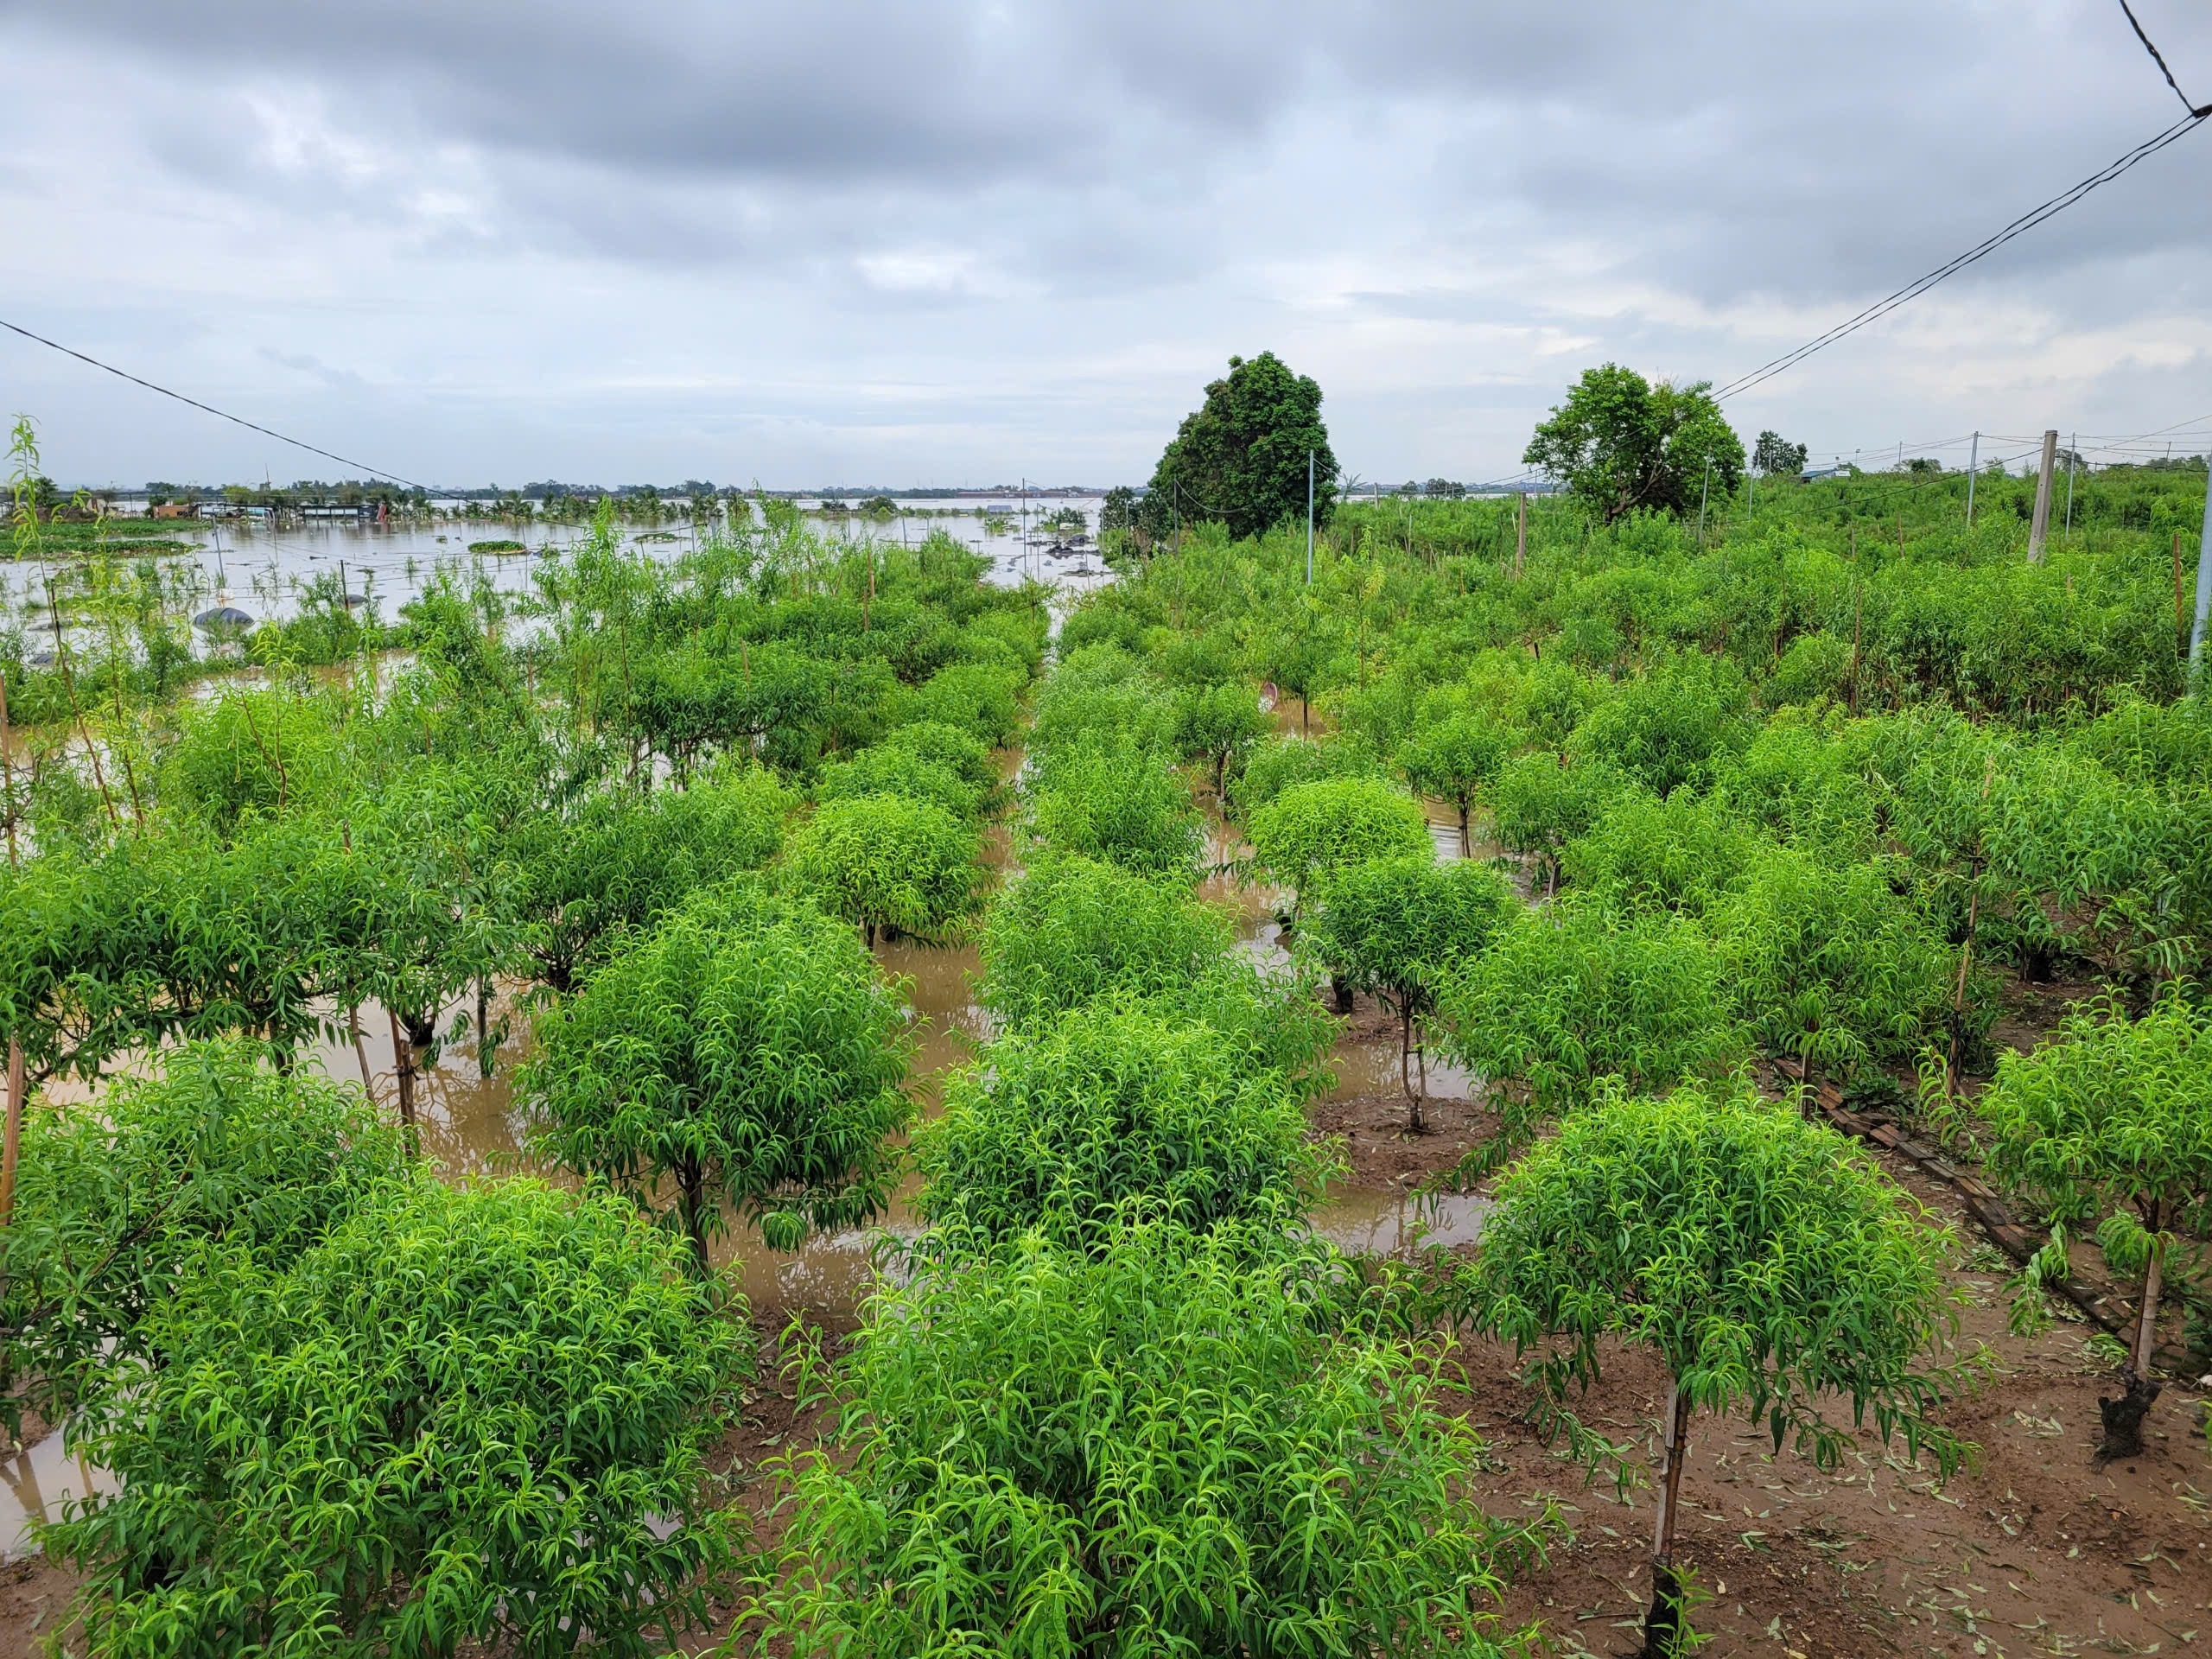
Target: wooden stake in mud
<point>1521,536</point>
<point>403,1054</point>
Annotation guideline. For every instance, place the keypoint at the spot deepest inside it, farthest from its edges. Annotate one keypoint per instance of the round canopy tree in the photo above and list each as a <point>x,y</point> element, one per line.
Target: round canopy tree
<point>1241,456</point>
<point>748,1049</point>
<point>1069,929</point>
<point>1762,1260</point>
<point>1454,758</point>
<point>1111,1105</point>
<point>1187,1443</point>
<point>1311,831</point>
<point>1399,928</point>
<point>887,861</point>
<point>465,1418</point>
<point>2114,1119</point>
<point>1623,445</point>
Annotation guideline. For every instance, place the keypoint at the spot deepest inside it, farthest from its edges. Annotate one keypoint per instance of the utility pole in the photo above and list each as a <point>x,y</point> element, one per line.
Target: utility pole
<point>1973,470</point>
<point>2204,583</point>
<point>1309,517</point>
<point>2041,524</point>
<point>2073,450</point>
<point>1704,493</point>
<point>1521,536</point>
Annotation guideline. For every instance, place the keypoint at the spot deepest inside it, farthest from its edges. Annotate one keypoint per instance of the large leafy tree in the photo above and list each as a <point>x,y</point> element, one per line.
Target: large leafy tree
<point>747,1049</point>
<point>1623,445</point>
<point>1400,928</point>
<point>1241,456</point>
<point>1455,759</point>
<point>1760,1261</point>
<point>2113,1122</point>
<point>1184,1442</point>
<point>1774,454</point>
<point>465,1419</point>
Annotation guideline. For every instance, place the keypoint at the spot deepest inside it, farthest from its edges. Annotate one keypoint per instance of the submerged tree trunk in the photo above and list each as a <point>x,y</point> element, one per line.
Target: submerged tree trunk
<point>485,1048</point>
<point>1341,994</point>
<point>2123,1417</point>
<point>403,1057</point>
<point>1415,1121</point>
<point>1662,1625</point>
<point>691,1179</point>
<point>1467,842</point>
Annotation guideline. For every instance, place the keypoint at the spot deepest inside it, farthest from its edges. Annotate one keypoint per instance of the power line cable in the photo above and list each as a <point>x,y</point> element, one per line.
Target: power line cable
<point>2160,58</point>
<point>1981,250</point>
<point>251,426</point>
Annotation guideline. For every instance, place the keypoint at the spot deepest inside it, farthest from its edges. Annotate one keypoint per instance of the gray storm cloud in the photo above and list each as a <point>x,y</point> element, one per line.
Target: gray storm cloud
<point>895,242</point>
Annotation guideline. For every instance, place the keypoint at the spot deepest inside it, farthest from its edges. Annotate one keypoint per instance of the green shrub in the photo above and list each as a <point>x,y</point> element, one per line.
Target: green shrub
<point>747,1049</point>
<point>888,861</point>
<point>2111,1120</point>
<point>1311,831</point>
<point>1562,999</point>
<point>1764,1261</point>
<point>1400,928</point>
<point>1113,1104</point>
<point>1678,853</point>
<point>1541,802</point>
<point>115,1204</point>
<point>1185,1443</point>
<point>1273,765</point>
<point>1125,806</point>
<point>1069,930</point>
<point>467,1417</point>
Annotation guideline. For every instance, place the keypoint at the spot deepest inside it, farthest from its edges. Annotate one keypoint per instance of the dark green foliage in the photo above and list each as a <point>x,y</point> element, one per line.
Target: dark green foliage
<point>115,1205</point>
<point>464,1417</point>
<point>1776,455</point>
<point>1670,729</point>
<point>1623,445</point>
<point>1184,1442</point>
<point>606,868</point>
<point>1241,456</point>
<point>882,770</point>
<point>1117,1104</point>
<point>747,1049</point>
<point>1542,802</point>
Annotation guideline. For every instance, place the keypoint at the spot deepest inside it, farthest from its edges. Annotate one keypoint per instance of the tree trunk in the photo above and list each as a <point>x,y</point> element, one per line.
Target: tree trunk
<point>1304,713</point>
<point>11,1142</point>
<point>2123,1417</point>
<point>1662,1625</point>
<point>695,1219</point>
<point>1466,843</point>
<point>360,1050</point>
<point>1341,994</point>
<point>485,1048</point>
<point>403,1057</point>
<point>1415,1121</point>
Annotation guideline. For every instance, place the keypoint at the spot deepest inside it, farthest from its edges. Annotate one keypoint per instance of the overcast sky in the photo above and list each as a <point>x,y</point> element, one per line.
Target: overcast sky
<point>906,241</point>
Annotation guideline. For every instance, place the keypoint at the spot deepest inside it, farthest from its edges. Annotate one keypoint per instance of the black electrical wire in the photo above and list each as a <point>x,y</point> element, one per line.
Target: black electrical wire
<point>2160,58</point>
<point>1920,285</point>
<point>251,426</point>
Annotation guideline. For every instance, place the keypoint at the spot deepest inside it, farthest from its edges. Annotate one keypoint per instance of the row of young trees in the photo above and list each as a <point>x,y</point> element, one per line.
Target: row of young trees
<point>348,1401</point>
